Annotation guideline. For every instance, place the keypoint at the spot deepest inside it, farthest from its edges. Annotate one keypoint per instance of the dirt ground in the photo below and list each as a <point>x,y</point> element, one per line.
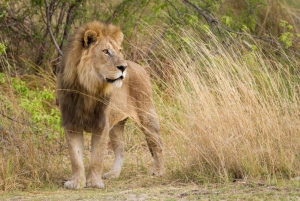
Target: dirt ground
<point>287,190</point>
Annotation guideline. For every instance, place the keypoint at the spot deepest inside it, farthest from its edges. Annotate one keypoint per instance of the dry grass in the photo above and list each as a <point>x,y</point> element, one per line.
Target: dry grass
<point>226,113</point>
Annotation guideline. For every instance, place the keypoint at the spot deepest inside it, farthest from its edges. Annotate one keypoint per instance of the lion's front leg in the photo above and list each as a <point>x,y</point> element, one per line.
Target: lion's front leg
<point>99,146</point>
<point>74,140</point>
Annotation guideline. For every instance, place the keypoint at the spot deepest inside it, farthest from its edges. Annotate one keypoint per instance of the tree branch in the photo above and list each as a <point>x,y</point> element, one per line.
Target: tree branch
<point>251,35</point>
<point>60,18</point>
<point>49,28</point>
<point>209,19</point>
<point>70,18</point>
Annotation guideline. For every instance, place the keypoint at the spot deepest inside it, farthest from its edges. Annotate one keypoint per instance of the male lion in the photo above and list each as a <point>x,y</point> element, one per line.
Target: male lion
<point>97,91</point>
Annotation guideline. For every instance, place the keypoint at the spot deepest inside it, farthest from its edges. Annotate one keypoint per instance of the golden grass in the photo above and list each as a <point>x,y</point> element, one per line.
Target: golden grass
<point>227,112</point>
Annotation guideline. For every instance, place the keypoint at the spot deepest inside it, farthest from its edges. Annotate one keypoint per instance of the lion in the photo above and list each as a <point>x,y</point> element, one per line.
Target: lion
<point>98,90</point>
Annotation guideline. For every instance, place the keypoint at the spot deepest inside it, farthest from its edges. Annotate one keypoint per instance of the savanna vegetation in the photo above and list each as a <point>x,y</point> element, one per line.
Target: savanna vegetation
<point>226,79</point>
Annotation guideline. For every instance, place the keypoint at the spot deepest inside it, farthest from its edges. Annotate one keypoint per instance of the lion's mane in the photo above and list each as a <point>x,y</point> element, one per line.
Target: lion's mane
<point>79,89</point>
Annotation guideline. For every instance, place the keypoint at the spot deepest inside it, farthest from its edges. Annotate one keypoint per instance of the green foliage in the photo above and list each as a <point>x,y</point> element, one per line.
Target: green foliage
<point>226,20</point>
<point>2,48</point>
<point>37,2</point>
<point>287,36</point>
<point>31,30</point>
<point>2,78</point>
<point>3,9</point>
<point>254,47</point>
<point>245,28</point>
<point>19,86</point>
<point>243,15</point>
<point>158,8</point>
<point>38,103</point>
<point>204,28</point>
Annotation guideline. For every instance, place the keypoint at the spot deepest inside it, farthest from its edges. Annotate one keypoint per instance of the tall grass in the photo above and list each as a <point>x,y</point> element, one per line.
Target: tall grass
<point>228,112</point>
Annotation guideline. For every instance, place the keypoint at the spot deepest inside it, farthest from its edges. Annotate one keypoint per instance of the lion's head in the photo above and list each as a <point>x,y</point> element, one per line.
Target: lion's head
<point>94,59</point>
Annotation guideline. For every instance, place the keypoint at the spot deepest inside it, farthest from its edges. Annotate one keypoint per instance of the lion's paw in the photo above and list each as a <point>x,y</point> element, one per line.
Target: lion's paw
<point>94,184</point>
<point>157,172</point>
<point>111,175</point>
<point>74,184</point>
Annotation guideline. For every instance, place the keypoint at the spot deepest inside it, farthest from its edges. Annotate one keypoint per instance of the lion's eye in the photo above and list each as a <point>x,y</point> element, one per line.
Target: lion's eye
<point>106,52</point>
<point>120,50</point>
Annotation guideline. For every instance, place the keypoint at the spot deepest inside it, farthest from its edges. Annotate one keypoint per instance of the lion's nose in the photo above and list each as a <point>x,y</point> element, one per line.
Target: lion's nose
<point>122,68</point>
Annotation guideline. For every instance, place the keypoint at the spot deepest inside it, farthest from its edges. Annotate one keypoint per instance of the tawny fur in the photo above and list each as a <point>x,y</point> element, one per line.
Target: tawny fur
<point>90,102</point>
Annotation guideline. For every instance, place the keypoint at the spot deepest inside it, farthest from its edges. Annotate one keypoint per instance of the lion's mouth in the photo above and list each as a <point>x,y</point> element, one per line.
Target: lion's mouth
<point>113,80</point>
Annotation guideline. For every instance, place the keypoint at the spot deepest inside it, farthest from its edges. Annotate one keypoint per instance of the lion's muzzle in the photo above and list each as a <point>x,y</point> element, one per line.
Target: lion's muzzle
<point>122,75</point>
<point>113,80</point>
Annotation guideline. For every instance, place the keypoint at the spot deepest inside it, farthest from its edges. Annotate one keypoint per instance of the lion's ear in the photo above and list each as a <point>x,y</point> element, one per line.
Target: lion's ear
<point>89,37</point>
<point>119,36</point>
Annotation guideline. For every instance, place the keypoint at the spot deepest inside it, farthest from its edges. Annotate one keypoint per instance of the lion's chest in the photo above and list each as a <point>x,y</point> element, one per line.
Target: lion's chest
<point>121,108</point>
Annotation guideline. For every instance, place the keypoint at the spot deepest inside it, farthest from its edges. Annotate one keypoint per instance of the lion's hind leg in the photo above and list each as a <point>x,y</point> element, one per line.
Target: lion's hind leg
<point>75,146</point>
<point>116,137</point>
<point>151,129</point>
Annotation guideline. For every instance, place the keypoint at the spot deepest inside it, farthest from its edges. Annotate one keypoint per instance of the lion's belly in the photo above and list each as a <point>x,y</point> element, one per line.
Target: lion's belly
<point>115,117</point>
<point>118,114</point>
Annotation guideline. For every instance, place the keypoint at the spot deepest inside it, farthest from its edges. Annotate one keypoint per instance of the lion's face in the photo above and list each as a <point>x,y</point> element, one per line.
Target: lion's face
<point>109,63</point>
<point>102,64</point>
